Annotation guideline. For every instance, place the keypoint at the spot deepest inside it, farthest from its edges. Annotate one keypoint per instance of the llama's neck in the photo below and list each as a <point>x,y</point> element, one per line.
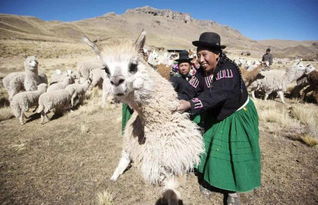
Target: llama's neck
<point>292,74</point>
<point>163,102</point>
<point>31,73</point>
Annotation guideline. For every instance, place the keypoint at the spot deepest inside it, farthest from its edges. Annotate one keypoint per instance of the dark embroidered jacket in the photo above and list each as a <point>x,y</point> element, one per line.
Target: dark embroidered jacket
<point>223,92</point>
<point>183,87</point>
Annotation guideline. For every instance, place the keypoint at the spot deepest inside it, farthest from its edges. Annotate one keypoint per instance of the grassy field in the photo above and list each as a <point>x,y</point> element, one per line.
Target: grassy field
<point>70,159</point>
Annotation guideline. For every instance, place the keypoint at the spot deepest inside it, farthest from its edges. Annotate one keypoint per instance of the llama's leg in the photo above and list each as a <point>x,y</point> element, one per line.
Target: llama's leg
<point>170,194</point>
<point>266,95</point>
<point>42,117</point>
<point>281,95</point>
<point>253,94</point>
<point>122,165</point>
<point>21,118</point>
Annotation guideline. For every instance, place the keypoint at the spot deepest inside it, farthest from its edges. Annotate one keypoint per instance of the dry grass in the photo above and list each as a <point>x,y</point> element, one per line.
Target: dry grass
<point>297,121</point>
<point>307,114</point>
<point>18,147</point>
<point>105,198</point>
<point>40,49</point>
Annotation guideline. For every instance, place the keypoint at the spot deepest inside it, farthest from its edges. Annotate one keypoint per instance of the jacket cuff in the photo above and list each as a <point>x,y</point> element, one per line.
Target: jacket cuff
<point>196,105</point>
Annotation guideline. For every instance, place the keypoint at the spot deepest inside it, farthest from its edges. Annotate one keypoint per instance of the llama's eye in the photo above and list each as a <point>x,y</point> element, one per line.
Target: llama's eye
<point>133,67</point>
<point>106,70</point>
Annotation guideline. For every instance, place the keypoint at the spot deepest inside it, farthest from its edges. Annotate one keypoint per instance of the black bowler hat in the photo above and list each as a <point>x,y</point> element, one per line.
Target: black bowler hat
<point>184,57</point>
<point>209,40</point>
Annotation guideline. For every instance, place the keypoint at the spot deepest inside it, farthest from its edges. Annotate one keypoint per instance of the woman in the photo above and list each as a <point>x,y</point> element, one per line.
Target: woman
<point>231,161</point>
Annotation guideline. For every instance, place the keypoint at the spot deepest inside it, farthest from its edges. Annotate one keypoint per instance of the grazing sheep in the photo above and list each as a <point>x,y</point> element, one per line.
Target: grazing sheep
<point>22,101</point>
<point>106,89</point>
<point>97,76</point>
<point>80,90</point>
<point>60,100</point>
<point>161,142</point>
<point>58,75</point>
<point>278,80</point>
<point>27,80</point>
<point>61,85</point>
<point>84,68</point>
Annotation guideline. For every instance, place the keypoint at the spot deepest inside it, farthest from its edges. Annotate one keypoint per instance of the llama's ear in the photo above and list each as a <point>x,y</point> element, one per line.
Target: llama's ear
<point>140,42</point>
<point>91,44</point>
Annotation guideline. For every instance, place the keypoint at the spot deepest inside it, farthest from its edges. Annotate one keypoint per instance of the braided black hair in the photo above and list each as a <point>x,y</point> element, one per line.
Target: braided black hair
<point>223,59</point>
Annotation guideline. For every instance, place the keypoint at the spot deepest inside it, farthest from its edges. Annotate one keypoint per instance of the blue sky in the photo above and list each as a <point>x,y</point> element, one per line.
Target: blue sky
<point>256,19</point>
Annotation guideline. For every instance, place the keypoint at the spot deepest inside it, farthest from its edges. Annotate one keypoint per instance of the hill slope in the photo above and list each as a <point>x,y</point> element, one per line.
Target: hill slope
<point>165,28</point>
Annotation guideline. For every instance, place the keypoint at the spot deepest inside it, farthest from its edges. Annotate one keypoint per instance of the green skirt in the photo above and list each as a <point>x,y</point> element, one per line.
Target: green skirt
<point>232,155</point>
<point>126,114</point>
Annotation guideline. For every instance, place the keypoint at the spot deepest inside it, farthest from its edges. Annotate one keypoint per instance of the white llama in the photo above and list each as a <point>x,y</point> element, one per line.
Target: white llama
<point>162,143</point>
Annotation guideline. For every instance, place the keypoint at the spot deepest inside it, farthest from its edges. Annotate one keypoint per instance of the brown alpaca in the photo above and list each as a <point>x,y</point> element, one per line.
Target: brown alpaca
<point>251,76</point>
<point>164,71</point>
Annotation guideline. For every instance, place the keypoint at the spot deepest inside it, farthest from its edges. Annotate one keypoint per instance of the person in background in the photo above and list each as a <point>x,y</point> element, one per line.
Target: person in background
<point>180,80</point>
<point>268,57</point>
<point>231,162</point>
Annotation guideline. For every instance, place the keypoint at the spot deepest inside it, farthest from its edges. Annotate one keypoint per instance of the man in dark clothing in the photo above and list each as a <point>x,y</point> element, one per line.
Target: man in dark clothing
<point>182,81</point>
<point>268,57</point>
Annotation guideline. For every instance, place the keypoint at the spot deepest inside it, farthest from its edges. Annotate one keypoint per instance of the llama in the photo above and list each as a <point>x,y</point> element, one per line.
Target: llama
<point>310,81</point>
<point>24,81</point>
<point>278,80</point>
<point>252,75</point>
<point>22,101</point>
<point>162,143</point>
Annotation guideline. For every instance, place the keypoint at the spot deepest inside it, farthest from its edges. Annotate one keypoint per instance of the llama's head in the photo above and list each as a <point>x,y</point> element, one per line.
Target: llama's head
<point>298,69</point>
<point>153,58</point>
<point>30,63</point>
<point>125,68</point>
<point>309,68</point>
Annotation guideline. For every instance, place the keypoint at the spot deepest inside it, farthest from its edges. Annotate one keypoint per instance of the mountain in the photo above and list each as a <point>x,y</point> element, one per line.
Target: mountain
<point>165,28</point>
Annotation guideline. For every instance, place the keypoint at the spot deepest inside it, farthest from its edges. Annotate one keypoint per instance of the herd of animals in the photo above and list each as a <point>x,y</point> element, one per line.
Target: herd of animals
<point>161,151</point>
<point>67,89</point>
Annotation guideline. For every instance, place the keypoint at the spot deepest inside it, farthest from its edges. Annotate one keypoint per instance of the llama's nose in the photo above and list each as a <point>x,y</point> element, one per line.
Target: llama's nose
<point>116,80</point>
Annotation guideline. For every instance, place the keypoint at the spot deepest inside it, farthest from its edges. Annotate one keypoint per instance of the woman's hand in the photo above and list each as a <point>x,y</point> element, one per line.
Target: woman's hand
<point>183,105</point>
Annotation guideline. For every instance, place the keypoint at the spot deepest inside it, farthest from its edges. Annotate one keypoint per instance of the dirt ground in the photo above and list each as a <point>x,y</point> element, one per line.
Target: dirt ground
<point>70,160</point>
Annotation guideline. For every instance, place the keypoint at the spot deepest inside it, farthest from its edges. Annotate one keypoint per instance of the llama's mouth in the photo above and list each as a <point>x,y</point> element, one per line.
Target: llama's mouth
<point>119,94</point>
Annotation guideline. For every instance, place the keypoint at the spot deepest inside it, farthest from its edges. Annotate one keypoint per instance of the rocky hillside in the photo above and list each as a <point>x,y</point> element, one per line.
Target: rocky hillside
<point>165,28</point>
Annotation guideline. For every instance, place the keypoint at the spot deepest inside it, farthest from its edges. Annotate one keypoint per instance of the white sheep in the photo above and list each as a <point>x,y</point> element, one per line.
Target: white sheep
<point>80,90</point>
<point>161,142</point>
<point>59,100</point>
<point>97,76</point>
<point>278,80</point>
<point>100,79</point>
<point>58,75</point>
<point>60,85</point>
<point>27,80</point>
<point>106,89</point>
<point>22,101</point>
<point>85,67</point>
